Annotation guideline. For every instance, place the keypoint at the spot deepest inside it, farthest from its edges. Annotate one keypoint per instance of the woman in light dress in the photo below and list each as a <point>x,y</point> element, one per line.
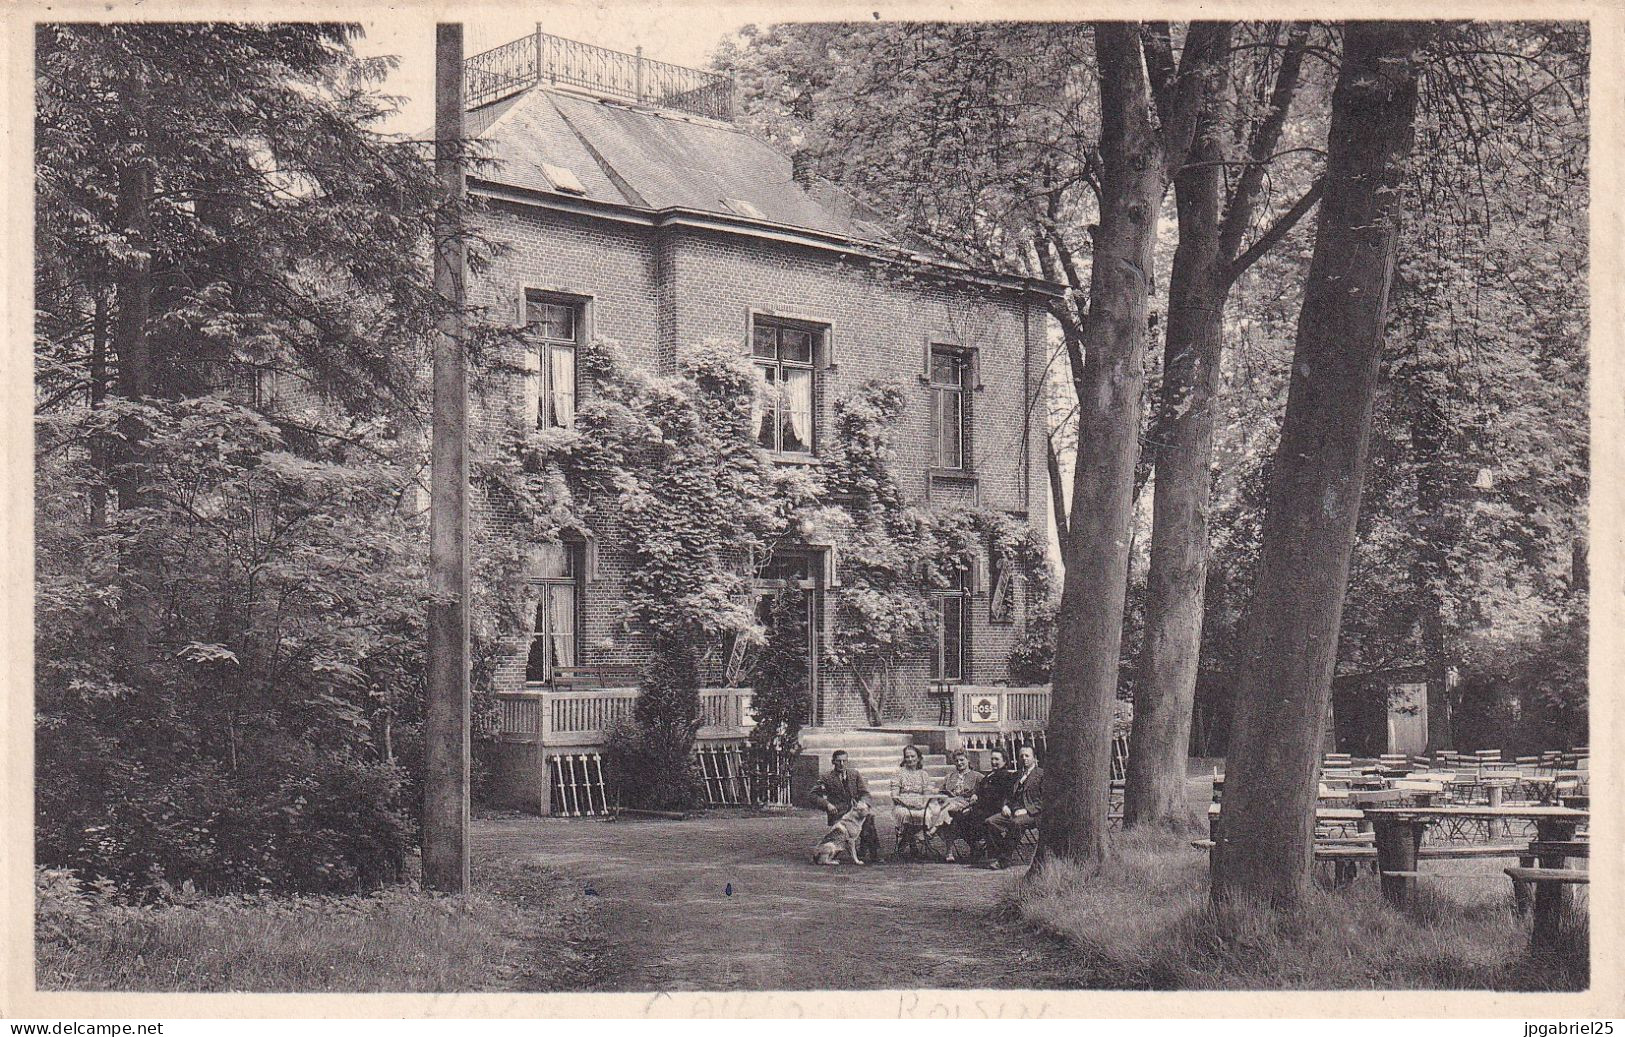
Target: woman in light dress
<point>910,791</point>
<point>958,789</point>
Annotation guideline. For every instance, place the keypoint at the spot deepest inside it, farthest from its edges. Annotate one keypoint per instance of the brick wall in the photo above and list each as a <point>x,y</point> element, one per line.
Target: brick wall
<point>654,290</point>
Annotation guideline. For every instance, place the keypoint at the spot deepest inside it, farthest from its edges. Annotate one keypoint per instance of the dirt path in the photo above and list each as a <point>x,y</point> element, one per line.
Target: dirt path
<point>734,904</point>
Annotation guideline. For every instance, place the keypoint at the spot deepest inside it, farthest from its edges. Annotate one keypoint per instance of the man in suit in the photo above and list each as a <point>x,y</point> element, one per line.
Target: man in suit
<point>1020,811</point>
<point>970,824</point>
<point>837,791</point>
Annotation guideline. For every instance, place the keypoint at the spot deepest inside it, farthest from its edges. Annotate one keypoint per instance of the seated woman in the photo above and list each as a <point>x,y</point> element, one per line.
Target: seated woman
<point>970,824</point>
<point>958,789</point>
<point>910,790</point>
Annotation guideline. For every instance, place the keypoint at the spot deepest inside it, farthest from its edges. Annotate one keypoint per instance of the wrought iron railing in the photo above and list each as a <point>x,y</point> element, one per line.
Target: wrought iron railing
<point>543,58</point>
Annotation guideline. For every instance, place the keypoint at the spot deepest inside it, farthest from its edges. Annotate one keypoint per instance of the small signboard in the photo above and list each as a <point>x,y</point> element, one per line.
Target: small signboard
<point>982,709</point>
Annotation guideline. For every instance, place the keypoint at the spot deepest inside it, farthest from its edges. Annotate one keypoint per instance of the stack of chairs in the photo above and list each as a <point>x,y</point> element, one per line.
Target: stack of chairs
<point>1337,765</point>
<point>1336,775</point>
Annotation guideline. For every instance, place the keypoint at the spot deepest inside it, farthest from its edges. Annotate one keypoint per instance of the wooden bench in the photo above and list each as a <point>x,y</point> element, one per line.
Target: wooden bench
<point>604,675</point>
<point>1346,854</point>
<point>1551,900</point>
<point>1567,847</point>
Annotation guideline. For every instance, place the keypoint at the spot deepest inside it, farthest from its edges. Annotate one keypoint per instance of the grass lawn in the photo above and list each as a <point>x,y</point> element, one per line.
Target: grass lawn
<point>519,932</point>
<point>1145,922</point>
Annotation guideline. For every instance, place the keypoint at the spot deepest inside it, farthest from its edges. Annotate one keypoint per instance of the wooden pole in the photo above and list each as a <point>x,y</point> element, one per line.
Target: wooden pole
<point>446,726</point>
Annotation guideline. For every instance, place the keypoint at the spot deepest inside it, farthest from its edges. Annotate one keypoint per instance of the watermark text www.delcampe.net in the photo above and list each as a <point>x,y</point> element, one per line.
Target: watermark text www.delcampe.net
<point>1588,1028</point>
<point>89,1029</point>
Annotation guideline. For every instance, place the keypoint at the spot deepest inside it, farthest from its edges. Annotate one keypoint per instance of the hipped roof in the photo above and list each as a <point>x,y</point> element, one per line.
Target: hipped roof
<point>639,159</point>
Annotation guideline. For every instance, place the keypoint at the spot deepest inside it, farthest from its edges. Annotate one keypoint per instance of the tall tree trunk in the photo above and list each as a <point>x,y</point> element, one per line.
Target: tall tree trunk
<point>1265,840</point>
<point>1090,621</point>
<point>1057,491</point>
<point>1165,688</point>
<point>1206,264</point>
<point>131,343</point>
<point>98,398</point>
<point>1428,570</point>
<point>133,348</point>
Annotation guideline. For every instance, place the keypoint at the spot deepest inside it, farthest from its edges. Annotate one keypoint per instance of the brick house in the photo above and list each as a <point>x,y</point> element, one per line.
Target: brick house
<point>633,210</point>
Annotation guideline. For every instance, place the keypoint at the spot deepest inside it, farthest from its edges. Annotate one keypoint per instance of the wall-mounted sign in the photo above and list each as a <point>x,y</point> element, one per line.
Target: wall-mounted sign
<point>982,709</point>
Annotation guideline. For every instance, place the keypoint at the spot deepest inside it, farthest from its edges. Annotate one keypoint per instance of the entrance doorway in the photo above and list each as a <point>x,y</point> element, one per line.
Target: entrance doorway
<point>787,603</point>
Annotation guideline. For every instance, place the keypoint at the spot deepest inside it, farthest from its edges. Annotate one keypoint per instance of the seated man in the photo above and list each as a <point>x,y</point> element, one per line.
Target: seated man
<point>969,824</point>
<point>838,791</point>
<point>1020,810</point>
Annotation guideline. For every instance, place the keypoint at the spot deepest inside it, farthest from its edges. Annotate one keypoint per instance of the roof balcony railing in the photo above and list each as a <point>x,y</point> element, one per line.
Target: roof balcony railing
<point>542,58</point>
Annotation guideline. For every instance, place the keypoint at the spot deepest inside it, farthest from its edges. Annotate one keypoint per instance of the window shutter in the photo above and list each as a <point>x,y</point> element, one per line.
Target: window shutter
<point>589,558</point>
<point>936,427</point>
<point>832,572</point>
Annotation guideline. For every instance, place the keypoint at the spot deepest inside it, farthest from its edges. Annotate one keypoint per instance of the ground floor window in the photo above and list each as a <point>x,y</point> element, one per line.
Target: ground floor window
<point>556,592</point>
<point>948,656</point>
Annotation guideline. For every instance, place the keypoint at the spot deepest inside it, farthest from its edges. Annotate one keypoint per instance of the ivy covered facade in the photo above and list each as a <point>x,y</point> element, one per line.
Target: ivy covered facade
<point>894,417</point>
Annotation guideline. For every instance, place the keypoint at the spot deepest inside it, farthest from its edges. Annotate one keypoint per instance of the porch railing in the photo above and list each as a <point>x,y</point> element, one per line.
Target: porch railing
<point>582,718</point>
<point>998,708</point>
<point>544,58</point>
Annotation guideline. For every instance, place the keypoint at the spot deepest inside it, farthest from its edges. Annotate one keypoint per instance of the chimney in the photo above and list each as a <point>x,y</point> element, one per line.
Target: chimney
<point>801,167</point>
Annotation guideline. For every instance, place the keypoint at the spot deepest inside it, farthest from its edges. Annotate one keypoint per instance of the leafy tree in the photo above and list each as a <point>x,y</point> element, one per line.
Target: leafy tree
<point>1137,156</point>
<point>1265,844</point>
<point>1479,443</point>
<point>231,295</point>
<point>1241,121</point>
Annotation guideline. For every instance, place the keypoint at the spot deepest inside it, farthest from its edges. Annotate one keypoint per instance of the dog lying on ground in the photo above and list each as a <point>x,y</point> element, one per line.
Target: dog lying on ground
<point>843,835</point>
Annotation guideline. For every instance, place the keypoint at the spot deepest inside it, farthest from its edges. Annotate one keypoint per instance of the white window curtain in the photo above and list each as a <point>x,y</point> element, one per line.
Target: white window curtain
<point>537,670</point>
<point>765,407</point>
<point>533,384</point>
<point>563,388</point>
<point>798,400</point>
<point>561,619</point>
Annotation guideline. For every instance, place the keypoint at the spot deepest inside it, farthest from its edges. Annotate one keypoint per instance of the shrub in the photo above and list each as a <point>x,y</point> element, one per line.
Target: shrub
<point>290,817</point>
<point>646,771</point>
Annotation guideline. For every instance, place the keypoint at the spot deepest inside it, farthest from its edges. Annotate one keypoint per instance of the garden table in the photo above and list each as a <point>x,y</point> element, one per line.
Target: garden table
<point>1399,832</point>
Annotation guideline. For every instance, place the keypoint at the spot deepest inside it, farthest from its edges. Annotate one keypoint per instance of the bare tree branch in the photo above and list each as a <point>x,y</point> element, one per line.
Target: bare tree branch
<point>1277,231</point>
<point>1260,149</point>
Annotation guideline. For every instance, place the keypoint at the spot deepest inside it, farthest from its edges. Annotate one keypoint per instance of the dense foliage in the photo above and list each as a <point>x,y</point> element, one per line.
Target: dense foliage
<point>232,290</point>
<point>702,507</point>
<point>893,555</point>
<point>1471,542</point>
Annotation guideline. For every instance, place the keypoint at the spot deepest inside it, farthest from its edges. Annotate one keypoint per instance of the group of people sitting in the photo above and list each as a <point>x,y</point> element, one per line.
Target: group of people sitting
<point>988,812</point>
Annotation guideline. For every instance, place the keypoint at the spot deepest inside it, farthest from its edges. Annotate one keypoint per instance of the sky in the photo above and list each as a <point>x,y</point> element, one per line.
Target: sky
<point>682,34</point>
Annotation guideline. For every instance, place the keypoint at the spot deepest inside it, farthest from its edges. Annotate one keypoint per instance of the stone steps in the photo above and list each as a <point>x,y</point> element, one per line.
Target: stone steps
<point>826,740</point>
<point>875,754</point>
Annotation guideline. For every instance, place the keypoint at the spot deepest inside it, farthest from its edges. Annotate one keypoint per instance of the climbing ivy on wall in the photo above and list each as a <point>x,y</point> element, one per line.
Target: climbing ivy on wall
<point>700,505</point>
<point>893,555</point>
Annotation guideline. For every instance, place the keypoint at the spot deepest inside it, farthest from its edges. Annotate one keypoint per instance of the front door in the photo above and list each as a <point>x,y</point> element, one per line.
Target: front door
<point>787,607</point>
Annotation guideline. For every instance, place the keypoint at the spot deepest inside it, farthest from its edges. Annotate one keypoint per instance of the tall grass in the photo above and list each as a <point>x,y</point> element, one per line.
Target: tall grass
<point>520,930</point>
<point>1145,921</point>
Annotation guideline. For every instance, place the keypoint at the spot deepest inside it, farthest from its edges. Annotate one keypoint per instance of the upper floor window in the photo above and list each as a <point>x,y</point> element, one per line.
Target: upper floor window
<point>948,369</point>
<point>555,326</point>
<point>784,355</point>
<point>557,593</point>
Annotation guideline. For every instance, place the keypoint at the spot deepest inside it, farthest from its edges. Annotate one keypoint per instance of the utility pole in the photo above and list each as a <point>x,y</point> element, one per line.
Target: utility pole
<point>446,726</point>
